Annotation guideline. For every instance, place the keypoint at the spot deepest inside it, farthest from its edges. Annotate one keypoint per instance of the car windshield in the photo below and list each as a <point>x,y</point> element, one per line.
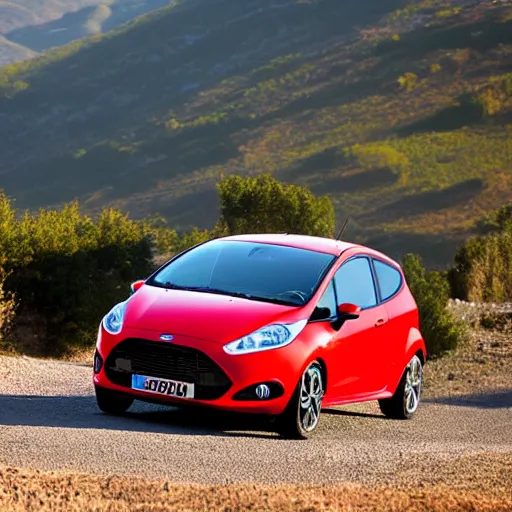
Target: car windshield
<point>257,271</point>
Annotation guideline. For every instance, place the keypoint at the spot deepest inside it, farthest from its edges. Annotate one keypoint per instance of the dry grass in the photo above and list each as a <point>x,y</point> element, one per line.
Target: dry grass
<point>35,490</point>
<point>483,363</point>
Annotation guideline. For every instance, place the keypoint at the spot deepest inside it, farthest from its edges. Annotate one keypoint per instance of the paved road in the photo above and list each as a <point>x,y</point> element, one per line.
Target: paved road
<point>49,420</point>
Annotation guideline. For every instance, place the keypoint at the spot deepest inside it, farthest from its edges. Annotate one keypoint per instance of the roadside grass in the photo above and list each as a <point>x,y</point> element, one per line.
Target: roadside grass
<point>483,362</point>
<point>25,490</point>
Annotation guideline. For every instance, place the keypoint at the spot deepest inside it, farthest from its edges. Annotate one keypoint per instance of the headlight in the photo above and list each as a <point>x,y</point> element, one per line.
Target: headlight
<point>266,338</point>
<point>113,321</point>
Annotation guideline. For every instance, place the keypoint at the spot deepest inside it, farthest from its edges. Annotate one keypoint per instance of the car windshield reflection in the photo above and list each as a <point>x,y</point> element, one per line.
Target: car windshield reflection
<point>254,271</point>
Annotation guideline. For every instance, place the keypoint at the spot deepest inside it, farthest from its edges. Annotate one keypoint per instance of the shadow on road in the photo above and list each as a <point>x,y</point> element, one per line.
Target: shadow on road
<point>341,412</point>
<point>494,400</point>
<point>82,412</point>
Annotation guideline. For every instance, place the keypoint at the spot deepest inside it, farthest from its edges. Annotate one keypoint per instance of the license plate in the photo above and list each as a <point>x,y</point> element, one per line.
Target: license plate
<point>163,386</point>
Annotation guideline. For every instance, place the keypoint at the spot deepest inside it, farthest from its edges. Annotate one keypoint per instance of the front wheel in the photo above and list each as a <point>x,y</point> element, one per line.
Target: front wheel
<point>111,402</point>
<point>301,416</point>
<point>404,403</point>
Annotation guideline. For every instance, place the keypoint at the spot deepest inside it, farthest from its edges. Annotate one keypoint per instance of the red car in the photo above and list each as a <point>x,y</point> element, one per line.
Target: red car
<point>279,325</point>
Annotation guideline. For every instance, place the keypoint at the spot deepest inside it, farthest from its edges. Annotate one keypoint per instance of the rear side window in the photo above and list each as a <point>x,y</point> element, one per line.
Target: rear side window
<point>354,283</point>
<point>389,279</point>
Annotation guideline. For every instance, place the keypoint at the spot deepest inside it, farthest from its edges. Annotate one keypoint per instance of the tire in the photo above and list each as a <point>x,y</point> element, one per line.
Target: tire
<point>111,402</point>
<point>302,414</point>
<point>404,403</point>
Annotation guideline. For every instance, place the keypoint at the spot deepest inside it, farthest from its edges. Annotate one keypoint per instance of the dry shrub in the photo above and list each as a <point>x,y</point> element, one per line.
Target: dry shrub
<point>7,307</point>
<point>483,269</point>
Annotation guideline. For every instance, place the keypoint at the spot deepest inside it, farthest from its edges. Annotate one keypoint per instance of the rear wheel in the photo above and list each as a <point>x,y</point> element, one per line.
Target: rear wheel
<point>301,416</point>
<point>112,402</point>
<point>404,403</point>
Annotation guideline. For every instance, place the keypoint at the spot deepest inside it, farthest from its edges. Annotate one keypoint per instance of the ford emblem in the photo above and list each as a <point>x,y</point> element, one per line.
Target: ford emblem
<point>166,337</point>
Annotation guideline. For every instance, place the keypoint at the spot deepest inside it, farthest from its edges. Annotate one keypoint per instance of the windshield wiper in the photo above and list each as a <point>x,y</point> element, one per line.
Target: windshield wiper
<point>218,291</point>
<point>206,289</point>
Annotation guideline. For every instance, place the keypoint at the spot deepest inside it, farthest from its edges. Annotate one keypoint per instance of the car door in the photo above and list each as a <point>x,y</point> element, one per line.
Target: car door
<point>395,332</point>
<point>355,352</point>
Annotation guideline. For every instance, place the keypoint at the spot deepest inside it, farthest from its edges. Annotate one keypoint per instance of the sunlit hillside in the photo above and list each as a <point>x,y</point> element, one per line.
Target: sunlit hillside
<point>402,112</point>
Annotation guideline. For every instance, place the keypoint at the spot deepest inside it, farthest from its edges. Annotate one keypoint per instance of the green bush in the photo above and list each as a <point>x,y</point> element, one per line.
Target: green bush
<point>264,205</point>
<point>499,220</point>
<point>69,269</point>
<point>441,330</point>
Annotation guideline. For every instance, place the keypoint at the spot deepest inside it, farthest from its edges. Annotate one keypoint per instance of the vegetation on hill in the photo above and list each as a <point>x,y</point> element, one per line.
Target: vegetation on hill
<point>482,271</point>
<point>61,271</point>
<point>264,205</point>
<point>64,271</point>
<point>441,329</point>
<point>401,113</point>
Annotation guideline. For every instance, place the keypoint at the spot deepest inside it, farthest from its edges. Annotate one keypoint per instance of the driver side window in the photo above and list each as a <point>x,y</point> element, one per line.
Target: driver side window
<point>326,306</point>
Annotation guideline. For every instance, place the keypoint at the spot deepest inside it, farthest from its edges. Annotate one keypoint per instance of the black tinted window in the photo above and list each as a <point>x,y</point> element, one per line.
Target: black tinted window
<point>354,283</point>
<point>326,307</point>
<point>389,279</point>
<point>263,270</point>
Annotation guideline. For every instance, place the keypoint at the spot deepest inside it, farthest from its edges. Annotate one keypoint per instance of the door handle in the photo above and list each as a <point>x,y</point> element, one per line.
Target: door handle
<point>379,322</point>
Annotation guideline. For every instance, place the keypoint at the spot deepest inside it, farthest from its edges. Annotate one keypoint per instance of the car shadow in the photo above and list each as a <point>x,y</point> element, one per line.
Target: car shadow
<point>82,412</point>
<point>356,414</point>
<point>501,399</point>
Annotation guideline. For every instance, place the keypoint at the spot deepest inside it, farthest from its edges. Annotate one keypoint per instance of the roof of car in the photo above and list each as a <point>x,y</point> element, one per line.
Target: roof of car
<point>312,243</point>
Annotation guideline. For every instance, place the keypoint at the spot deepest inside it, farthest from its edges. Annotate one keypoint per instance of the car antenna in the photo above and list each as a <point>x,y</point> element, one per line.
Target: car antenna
<point>342,230</point>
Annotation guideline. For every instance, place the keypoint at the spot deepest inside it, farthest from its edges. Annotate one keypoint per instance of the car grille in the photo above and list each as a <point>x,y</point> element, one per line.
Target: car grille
<point>166,361</point>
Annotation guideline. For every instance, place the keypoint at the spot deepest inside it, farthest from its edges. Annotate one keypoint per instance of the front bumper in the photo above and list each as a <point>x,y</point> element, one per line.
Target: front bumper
<point>219,378</point>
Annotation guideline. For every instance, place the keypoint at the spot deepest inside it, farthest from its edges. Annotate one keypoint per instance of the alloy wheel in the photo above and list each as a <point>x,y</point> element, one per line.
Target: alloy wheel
<point>311,394</point>
<point>413,384</point>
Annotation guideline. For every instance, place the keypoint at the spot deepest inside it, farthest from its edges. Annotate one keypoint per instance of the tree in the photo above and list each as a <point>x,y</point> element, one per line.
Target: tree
<point>408,81</point>
<point>499,220</point>
<point>490,100</point>
<point>264,205</point>
<point>435,68</point>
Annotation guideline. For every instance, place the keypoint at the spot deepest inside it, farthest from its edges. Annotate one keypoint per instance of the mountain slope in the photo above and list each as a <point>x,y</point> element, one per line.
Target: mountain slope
<point>34,27</point>
<point>11,52</point>
<point>149,116</point>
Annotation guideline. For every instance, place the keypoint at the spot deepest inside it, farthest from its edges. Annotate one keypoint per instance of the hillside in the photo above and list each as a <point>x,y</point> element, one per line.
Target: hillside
<point>12,52</point>
<point>27,27</point>
<point>402,113</point>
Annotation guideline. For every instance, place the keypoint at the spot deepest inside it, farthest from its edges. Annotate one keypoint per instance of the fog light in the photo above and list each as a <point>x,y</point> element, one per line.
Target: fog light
<point>262,391</point>
<point>98,362</point>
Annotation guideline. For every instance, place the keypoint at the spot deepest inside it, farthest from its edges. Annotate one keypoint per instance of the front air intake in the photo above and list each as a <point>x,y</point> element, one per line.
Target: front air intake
<point>166,361</point>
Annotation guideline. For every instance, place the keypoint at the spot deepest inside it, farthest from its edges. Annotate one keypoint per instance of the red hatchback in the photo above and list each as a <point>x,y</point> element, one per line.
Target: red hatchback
<point>280,325</point>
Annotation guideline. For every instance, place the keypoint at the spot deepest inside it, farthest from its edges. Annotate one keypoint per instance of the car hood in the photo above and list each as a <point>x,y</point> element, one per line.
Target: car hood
<point>208,316</point>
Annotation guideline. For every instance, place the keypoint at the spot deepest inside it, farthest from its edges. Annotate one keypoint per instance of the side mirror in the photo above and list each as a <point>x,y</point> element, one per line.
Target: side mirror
<point>350,311</point>
<point>136,285</point>
<point>346,311</point>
